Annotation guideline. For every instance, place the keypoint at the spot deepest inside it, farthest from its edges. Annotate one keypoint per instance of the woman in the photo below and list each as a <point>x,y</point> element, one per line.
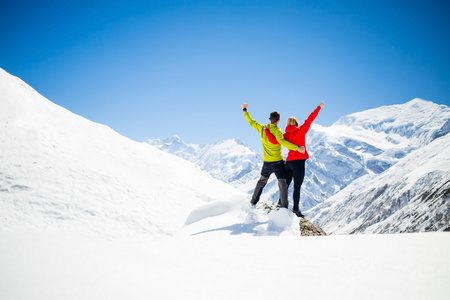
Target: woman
<point>295,161</point>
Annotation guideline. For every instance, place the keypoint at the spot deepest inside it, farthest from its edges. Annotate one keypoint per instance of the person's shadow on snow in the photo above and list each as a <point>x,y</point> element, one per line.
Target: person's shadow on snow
<point>236,229</point>
<point>278,222</point>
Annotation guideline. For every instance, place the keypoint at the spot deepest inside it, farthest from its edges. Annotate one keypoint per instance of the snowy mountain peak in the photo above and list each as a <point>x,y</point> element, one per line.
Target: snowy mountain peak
<point>169,140</point>
<point>416,109</point>
<point>240,142</point>
<point>175,138</point>
<point>419,101</point>
<point>229,145</point>
<point>418,120</point>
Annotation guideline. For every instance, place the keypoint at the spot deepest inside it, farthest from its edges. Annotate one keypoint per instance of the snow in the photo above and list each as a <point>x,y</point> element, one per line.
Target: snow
<point>209,266</point>
<point>86,213</point>
<point>213,209</point>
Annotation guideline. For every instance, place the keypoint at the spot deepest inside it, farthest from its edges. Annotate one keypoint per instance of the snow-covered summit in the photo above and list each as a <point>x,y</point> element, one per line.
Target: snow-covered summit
<point>417,120</point>
<point>174,145</point>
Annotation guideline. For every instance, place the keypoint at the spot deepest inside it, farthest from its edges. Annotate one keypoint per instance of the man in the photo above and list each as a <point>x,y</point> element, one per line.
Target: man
<point>273,159</point>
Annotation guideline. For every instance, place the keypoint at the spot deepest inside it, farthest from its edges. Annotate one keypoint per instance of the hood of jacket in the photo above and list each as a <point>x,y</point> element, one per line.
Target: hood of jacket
<point>291,129</point>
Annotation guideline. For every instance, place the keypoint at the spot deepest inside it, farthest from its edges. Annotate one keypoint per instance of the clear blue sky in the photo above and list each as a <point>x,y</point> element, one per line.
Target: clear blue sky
<point>152,69</point>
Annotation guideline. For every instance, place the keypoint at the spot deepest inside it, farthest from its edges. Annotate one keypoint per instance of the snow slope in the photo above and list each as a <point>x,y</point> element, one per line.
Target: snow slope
<point>88,214</point>
<point>62,171</point>
<point>411,196</point>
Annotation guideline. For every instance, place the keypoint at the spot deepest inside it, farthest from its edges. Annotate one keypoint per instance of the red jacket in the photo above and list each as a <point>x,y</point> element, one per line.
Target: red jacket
<point>296,135</point>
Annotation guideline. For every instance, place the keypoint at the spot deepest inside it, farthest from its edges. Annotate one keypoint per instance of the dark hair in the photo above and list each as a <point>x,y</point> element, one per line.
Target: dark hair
<point>274,117</point>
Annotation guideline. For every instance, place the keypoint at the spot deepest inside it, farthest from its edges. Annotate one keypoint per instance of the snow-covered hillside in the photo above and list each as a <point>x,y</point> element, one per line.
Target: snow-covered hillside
<point>63,171</point>
<point>411,196</point>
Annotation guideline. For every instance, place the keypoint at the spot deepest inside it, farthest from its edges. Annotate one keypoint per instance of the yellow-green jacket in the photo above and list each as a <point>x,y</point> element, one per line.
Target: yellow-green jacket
<point>271,152</point>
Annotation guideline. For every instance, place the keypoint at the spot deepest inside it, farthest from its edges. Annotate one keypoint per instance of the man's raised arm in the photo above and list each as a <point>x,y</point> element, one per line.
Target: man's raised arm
<point>249,119</point>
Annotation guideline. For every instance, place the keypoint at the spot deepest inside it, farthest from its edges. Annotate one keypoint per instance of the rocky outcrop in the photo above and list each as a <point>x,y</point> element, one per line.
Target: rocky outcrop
<point>307,228</point>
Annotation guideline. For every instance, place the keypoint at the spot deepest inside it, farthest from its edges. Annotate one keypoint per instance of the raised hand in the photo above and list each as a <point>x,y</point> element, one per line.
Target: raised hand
<point>245,105</point>
<point>321,104</point>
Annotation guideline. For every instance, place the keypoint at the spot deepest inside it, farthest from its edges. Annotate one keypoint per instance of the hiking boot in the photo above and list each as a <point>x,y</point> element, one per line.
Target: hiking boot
<point>298,213</point>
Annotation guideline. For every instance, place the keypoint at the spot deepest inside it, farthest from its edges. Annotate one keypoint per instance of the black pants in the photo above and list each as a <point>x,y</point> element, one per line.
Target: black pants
<point>268,168</point>
<point>295,169</point>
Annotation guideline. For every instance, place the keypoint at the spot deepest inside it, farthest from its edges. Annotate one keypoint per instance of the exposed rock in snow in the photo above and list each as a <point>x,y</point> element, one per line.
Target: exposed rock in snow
<point>307,228</point>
